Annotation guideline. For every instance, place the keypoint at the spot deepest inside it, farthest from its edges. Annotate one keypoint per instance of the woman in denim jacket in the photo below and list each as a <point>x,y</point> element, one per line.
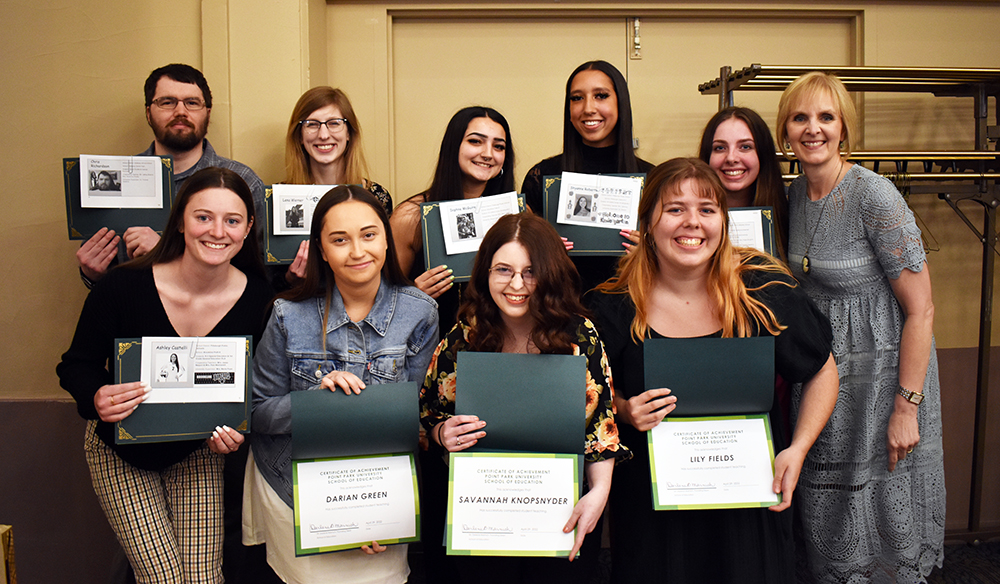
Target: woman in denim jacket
<point>377,330</point>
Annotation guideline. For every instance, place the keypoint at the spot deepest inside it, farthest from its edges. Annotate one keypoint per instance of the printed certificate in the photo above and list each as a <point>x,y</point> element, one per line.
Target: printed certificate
<point>293,207</point>
<point>121,182</point>
<point>344,503</point>
<point>511,504</point>
<point>180,412</point>
<point>712,463</point>
<point>465,222</point>
<point>591,200</point>
<point>752,227</point>
<point>194,369</point>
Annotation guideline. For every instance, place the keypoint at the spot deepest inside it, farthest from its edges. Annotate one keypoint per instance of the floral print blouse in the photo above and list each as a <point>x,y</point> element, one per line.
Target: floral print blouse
<point>437,396</point>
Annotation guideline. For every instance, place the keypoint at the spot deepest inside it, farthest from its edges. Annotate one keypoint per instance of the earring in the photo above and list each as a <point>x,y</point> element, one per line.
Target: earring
<point>501,171</point>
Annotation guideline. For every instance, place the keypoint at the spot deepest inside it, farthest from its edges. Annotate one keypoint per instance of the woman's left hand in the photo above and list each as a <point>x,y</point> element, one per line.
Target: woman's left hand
<point>345,380</point>
<point>590,507</point>
<point>632,236</point>
<point>225,440</point>
<point>787,466</point>
<point>375,548</point>
<point>904,432</point>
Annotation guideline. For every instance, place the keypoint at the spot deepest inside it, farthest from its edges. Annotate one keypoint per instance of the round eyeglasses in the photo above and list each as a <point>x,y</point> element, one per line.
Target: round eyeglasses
<point>502,274</point>
<point>192,104</point>
<point>333,125</point>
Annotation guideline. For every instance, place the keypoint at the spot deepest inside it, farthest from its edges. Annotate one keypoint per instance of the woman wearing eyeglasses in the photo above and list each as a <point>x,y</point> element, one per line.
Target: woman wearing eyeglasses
<point>521,301</point>
<point>323,147</point>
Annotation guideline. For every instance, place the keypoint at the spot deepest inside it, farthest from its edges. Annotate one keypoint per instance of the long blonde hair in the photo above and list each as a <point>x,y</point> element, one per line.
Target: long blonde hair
<point>737,309</point>
<point>297,161</point>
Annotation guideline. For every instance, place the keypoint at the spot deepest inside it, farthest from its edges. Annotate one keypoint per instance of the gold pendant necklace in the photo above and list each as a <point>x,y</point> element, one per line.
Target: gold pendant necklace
<point>805,256</point>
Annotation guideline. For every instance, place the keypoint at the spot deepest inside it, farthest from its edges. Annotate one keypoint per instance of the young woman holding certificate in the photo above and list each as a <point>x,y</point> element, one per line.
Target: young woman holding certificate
<point>351,323</point>
<point>323,147</point>
<point>523,298</point>
<point>684,279</point>
<point>476,160</point>
<point>597,139</point>
<point>873,498</point>
<point>204,278</point>
<point>737,144</point>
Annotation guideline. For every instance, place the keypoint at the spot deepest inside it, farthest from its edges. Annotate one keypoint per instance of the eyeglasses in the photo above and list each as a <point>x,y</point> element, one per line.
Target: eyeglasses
<point>312,127</point>
<point>192,104</point>
<point>502,274</point>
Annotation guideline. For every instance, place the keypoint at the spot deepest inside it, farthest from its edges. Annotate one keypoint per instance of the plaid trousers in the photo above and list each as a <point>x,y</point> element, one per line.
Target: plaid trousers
<point>170,521</point>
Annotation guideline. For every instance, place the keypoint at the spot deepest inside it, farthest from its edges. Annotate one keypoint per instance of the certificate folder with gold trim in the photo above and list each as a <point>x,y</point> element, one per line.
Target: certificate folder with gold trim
<point>713,376</point>
<point>181,421</point>
<point>83,223</point>
<point>278,249</point>
<point>434,250</point>
<point>587,241</point>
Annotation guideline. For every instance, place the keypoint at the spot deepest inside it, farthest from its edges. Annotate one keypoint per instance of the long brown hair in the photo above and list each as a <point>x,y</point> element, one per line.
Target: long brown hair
<point>319,279</point>
<point>769,188</point>
<point>553,305</point>
<point>638,270</point>
<point>171,245</point>
<point>297,161</point>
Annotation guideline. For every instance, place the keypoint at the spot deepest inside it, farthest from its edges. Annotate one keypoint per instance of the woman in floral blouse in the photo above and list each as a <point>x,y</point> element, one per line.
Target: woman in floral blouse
<point>527,302</point>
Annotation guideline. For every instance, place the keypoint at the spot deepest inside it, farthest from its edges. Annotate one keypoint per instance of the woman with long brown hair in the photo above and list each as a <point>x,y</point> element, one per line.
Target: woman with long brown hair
<point>524,298</point>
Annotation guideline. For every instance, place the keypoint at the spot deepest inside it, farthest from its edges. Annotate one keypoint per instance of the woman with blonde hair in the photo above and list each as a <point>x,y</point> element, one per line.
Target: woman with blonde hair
<point>684,279</point>
<point>872,496</point>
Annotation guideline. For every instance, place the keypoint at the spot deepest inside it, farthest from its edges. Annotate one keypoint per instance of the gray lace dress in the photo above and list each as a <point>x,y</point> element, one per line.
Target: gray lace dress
<point>861,523</point>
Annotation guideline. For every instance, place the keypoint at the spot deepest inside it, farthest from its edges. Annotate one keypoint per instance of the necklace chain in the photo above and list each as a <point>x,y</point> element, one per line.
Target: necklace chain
<point>836,188</point>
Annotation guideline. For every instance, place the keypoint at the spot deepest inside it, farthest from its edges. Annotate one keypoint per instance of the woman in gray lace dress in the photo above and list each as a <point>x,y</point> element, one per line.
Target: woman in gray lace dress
<point>871,495</point>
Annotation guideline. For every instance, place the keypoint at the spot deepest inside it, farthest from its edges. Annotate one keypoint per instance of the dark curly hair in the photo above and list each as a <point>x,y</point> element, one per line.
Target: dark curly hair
<point>554,305</point>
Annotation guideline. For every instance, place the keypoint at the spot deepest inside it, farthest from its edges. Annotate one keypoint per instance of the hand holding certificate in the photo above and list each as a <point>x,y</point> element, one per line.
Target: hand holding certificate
<point>723,461</point>
<point>355,482</point>
<point>116,192</point>
<point>591,210</point>
<point>195,384</point>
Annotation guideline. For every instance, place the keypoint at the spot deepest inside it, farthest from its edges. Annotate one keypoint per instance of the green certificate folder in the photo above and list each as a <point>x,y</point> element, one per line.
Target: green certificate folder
<point>278,249</point>
<point>587,241</point>
<point>434,250</point>
<point>178,421</point>
<point>713,376</point>
<point>355,452</point>
<point>753,227</point>
<point>84,223</point>
<point>381,419</point>
<point>531,403</point>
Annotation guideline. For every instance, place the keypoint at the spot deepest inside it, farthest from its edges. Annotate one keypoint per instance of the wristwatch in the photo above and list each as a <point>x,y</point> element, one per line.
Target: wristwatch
<point>914,397</point>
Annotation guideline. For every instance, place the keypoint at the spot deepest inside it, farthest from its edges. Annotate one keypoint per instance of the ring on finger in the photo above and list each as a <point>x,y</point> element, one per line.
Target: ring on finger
<point>458,441</point>
<point>910,451</point>
<point>112,400</point>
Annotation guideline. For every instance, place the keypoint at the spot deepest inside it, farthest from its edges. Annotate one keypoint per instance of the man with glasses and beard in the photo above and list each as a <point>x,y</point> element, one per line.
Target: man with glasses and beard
<point>178,107</point>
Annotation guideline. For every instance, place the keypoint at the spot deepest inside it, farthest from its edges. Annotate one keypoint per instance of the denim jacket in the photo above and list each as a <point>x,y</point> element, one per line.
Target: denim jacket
<point>394,343</point>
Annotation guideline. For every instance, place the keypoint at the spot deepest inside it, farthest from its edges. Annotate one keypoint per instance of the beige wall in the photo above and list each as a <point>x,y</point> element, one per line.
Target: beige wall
<point>74,72</point>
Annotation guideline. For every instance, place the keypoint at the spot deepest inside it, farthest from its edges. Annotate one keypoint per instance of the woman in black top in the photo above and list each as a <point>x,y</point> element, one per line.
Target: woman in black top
<point>686,280</point>
<point>203,278</point>
<point>597,139</point>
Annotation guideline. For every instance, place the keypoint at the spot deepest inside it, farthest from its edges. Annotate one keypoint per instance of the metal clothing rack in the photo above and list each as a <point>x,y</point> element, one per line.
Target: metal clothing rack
<point>967,176</point>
